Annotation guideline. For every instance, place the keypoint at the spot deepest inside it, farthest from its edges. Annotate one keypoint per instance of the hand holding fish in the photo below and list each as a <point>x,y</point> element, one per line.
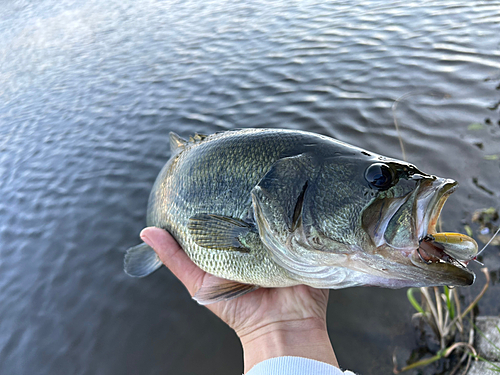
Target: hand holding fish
<point>270,322</point>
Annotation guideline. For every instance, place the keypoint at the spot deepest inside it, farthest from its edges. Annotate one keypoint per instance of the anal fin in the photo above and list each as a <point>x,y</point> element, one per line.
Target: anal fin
<point>218,232</point>
<point>140,261</point>
<point>216,289</point>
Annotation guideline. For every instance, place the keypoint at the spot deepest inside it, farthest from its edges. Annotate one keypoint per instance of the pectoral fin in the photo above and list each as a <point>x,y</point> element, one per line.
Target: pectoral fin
<point>215,289</point>
<point>218,232</point>
<point>140,261</point>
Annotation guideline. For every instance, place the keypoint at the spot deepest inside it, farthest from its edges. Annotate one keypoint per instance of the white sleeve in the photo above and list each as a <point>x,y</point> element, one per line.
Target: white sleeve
<point>295,366</point>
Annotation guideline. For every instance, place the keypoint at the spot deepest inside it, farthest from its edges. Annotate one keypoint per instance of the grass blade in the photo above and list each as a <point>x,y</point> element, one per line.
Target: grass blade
<point>413,301</point>
<point>449,304</point>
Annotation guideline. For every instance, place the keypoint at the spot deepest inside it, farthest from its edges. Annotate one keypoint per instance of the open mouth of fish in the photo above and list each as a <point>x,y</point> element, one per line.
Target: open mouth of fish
<point>409,225</point>
<point>449,248</point>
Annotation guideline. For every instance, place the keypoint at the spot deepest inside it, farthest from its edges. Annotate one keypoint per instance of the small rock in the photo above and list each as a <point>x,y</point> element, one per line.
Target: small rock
<point>489,326</point>
<point>482,368</point>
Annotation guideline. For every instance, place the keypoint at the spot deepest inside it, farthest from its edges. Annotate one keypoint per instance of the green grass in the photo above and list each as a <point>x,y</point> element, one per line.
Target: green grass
<point>440,308</point>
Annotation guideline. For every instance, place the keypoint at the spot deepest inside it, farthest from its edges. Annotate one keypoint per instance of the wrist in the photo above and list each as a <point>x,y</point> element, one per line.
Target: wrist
<point>306,338</point>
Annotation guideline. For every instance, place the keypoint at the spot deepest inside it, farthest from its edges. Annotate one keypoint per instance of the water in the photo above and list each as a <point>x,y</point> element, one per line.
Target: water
<point>89,91</point>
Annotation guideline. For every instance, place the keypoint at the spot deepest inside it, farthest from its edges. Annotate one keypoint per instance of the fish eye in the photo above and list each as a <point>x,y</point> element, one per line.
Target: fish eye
<point>380,176</point>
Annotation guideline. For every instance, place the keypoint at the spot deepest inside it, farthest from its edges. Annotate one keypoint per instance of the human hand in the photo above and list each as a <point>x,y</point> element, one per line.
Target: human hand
<point>270,322</point>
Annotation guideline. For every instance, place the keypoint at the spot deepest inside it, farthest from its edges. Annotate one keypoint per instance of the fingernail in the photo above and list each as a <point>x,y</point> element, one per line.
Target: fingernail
<point>147,240</point>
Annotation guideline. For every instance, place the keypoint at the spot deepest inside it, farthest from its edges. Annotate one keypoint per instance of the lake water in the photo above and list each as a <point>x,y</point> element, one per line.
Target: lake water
<point>89,91</point>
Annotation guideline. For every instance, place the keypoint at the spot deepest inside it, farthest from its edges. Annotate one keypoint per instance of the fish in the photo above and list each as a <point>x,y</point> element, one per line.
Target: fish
<point>276,208</point>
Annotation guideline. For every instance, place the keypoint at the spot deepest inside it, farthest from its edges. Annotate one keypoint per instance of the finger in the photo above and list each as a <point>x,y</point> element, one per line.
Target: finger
<point>172,256</point>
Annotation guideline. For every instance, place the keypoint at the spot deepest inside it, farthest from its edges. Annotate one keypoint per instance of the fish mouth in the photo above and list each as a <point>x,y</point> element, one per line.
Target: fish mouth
<point>442,258</point>
<point>444,253</point>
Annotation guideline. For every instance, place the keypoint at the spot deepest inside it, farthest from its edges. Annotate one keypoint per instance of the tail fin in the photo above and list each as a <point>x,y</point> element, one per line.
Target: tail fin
<point>140,261</point>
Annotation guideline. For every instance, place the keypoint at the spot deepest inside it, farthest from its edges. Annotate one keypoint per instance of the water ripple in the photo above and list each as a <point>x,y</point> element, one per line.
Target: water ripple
<point>89,92</point>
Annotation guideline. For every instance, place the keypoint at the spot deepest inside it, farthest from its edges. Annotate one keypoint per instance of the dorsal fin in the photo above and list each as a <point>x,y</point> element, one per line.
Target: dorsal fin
<point>197,137</point>
<point>176,143</point>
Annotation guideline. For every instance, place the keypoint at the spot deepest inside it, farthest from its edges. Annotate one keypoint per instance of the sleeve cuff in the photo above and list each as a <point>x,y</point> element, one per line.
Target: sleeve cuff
<point>295,366</point>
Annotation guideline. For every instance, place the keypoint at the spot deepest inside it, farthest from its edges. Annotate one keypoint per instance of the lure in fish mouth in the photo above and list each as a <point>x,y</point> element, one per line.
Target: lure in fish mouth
<point>276,208</point>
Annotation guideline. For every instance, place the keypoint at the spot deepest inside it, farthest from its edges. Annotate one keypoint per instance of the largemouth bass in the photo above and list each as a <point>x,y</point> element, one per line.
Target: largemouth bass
<point>276,208</point>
